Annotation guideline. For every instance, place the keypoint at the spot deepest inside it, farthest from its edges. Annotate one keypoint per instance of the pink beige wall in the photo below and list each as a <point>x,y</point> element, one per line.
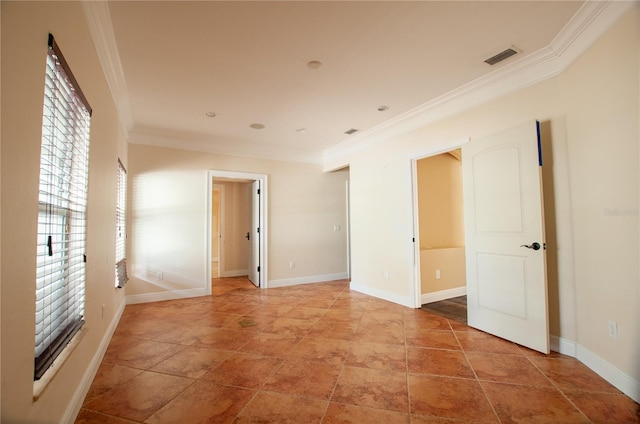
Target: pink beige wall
<point>449,264</point>
<point>441,226</point>
<point>440,202</point>
<point>25,28</point>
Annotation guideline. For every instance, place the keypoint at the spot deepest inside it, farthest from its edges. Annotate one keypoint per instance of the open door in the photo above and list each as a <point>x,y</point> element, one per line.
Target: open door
<point>254,235</point>
<point>505,239</point>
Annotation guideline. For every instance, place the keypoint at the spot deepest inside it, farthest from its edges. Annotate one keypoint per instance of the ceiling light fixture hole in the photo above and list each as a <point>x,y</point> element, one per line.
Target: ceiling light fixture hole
<point>257,126</point>
<point>314,64</point>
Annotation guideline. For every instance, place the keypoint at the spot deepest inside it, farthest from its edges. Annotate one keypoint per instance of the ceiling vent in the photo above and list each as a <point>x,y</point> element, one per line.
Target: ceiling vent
<point>502,56</point>
<point>351,131</point>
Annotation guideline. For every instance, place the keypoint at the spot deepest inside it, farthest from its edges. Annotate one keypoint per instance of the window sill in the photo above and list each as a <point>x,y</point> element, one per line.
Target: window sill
<point>39,386</point>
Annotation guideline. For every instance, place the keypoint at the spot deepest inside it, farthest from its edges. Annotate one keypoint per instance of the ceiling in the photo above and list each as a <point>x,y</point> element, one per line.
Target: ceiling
<point>248,62</point>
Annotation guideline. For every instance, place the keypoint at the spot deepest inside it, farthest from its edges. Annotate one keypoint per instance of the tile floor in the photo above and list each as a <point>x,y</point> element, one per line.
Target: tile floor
<point>322,353</point>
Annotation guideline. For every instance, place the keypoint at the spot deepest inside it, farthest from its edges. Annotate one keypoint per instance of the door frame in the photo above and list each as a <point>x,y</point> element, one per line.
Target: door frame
<point>212,174</point>
<point>433,150</point>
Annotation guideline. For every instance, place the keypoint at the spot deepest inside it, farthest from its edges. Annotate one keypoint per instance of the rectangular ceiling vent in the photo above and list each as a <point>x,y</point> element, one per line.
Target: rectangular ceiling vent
<point>502,56</point>
<point>351,131</point>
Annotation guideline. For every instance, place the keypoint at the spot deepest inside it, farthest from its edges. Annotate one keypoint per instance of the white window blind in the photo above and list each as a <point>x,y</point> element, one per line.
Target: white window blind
<point>121,229</point>
<point>64,160</point>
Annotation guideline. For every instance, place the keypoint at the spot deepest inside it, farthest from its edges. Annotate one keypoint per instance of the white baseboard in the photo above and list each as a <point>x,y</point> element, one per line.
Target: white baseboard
<point>235,273</point>
<point>563,346</point>
<point>306,280</point>
<point>164,295</point>
<point>73,409</point>
<point>383,294</point>
<point>443,295</point>
<point>623,382</point>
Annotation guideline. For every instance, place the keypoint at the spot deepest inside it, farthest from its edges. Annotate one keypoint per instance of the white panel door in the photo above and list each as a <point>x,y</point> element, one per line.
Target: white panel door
<point>504,232</point>
<point>254,257</point>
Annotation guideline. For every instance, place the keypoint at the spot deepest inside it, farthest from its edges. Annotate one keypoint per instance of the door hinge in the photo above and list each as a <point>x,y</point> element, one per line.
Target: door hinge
<point>258,192</point>
<point>258,269</point>
<point>258,230</point>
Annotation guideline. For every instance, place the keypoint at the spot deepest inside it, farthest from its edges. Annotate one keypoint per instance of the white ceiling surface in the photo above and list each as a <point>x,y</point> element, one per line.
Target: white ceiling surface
<point>247,62</point>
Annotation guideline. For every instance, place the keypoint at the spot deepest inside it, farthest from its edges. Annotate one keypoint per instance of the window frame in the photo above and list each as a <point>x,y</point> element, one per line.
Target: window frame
<point>121,227</point>
<point>62,212</point>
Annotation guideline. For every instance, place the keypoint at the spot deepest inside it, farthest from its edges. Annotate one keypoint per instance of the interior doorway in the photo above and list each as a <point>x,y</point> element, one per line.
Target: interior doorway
<point>237,227</point>
<point>504,236</point>
<point>217,224</point>
<point>441,237</point>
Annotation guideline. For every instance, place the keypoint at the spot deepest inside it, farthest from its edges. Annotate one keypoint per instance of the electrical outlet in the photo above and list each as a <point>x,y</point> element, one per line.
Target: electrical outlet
<point>387,275</point>
<point>292,265</point>
<point>437,274</point>
<point>159,275</point>
<point>613,329</point>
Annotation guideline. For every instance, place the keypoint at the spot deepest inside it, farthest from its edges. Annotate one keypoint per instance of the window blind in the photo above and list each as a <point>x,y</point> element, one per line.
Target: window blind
<point>121,229</point>
<point>62,199</point>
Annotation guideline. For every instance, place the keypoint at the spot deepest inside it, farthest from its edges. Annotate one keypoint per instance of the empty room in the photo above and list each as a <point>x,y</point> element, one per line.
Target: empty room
<point>237,211</point>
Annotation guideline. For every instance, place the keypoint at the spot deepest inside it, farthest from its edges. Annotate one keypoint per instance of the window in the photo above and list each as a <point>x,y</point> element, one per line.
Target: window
<point>121,229</point>
<point>64,161</point>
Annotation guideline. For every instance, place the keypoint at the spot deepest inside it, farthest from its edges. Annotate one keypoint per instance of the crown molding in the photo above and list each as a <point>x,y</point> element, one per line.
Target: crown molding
<point>201,143</point>
<point>586,26</point>
<point>101,29</point>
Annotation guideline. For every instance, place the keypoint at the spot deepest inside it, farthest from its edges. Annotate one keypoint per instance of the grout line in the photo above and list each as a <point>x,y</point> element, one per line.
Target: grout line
<point>477,379</point>
<point>330,399</point>
<point>557,387</point>
<point>406,363</point>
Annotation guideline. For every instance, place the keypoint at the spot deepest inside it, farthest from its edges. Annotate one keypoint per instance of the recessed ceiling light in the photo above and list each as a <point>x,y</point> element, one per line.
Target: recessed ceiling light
<point>257,126</point>
<point>314,64</point>
<point>211,114</point>
<point>383,108</point>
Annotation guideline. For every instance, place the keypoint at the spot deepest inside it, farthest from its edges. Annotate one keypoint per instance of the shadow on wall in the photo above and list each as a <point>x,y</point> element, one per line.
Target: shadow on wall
<point>550,227</point>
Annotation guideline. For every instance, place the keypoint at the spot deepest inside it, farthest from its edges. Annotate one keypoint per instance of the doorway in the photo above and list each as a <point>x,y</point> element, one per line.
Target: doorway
<point>236,227</point>
<point>217,224</point>
<point>441,234</point>
<point>504,237</point>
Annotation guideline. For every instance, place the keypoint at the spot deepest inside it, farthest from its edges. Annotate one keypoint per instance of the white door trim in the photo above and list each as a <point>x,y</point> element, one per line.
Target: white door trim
<point>211,175</point>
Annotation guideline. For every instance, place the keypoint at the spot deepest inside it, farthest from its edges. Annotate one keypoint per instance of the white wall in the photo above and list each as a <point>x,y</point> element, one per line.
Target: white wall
<point>590,115</point>
<point>25,28</point>
<point>168,216</point>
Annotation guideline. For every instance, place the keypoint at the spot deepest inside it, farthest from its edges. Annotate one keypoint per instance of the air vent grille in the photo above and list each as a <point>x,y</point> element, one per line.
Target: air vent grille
<point>501,56</point>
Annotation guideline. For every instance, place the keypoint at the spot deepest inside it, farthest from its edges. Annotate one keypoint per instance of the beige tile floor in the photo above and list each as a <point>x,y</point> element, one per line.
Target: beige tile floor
<point>322,353</point>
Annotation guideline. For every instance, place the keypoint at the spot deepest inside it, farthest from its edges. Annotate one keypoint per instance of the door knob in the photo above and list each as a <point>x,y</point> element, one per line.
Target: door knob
<point>534,246</point>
